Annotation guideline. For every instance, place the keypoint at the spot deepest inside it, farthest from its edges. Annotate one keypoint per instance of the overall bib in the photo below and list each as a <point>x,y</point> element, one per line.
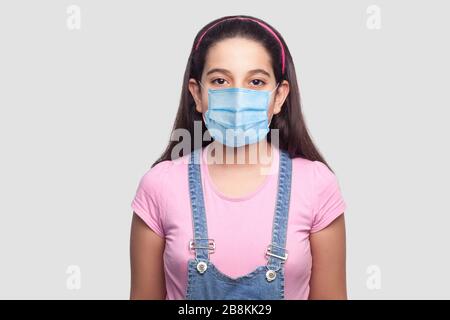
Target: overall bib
<point>266,282</point>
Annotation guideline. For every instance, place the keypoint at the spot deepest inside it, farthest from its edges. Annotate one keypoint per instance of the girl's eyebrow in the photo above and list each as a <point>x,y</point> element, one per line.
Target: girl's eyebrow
<point>229,73</point>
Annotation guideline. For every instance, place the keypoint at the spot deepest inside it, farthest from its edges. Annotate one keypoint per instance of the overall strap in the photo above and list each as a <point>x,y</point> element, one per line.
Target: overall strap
<point>201,244</point>
<point>276,251</point>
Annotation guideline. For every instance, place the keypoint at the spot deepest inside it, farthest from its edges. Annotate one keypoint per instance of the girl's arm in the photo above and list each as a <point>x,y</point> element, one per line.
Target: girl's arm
<point>146,257</point>
<point>328,277</point>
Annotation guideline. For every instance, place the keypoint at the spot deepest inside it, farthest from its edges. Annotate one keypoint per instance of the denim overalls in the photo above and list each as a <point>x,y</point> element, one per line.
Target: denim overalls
<point>266,282</point>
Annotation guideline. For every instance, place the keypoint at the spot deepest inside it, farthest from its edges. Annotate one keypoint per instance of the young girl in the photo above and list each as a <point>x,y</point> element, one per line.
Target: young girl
<point>215,220</point>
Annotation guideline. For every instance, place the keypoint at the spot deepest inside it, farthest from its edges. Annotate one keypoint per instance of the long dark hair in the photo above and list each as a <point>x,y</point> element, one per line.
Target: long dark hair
<point>293,133</point>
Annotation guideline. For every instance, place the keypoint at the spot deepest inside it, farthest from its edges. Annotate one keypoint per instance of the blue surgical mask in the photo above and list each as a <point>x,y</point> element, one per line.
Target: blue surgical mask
<point>237,116</point>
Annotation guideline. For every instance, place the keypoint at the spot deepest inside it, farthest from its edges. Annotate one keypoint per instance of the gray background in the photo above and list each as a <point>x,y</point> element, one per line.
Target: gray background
<point>84,113</point>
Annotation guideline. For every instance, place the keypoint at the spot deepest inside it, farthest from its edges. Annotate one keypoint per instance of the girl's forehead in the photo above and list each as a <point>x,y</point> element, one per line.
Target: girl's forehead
<point>238,56</point>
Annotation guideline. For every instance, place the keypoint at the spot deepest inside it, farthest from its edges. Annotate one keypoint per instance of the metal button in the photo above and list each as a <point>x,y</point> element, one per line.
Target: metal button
<point>271,275</point>
<point>202,266</point>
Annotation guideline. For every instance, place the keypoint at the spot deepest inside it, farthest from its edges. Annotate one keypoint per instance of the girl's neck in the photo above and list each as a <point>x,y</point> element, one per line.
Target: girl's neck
<point>255,154</point>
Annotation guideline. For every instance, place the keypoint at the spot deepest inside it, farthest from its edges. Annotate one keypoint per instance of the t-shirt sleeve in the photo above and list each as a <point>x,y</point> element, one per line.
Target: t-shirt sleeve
<point>147,202</point>
<point>329,203</point>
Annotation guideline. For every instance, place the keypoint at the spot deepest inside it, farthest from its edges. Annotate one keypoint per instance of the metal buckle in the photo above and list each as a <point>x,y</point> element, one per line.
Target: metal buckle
<point>211,245</point>
<point>269,252</point>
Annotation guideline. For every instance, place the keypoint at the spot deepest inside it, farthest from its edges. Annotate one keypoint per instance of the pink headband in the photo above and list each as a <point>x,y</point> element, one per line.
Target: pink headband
<point>261,24</point>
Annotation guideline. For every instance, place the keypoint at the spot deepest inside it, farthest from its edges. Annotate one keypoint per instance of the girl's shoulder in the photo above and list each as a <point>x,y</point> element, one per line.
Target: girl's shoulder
<point>164,174</point>
<point>153,194</point>
<point>313,171</point>
<point>313,166</point>
<point>156,176</point>
<point>314,180</point>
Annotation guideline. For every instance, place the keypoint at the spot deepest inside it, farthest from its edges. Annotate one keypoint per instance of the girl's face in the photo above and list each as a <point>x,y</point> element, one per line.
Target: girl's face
<point>238,62</point>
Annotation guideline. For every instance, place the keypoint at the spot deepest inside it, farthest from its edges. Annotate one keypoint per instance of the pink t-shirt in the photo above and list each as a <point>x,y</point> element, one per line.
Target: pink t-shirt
<point>241,227</point>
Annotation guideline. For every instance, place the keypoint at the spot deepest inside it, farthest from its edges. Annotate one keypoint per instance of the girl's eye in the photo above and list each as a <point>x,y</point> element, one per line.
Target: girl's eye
<point>258,82</point>
<point>219,81</point>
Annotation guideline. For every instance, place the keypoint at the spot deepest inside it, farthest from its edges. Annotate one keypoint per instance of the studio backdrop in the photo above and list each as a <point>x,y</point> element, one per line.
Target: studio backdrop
<point>88,95</point>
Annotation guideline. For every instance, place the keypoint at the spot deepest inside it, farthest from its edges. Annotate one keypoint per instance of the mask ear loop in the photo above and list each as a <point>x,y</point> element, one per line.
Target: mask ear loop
<point>275,88</point>
<point>203,115</point>
<point>268,125</point>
